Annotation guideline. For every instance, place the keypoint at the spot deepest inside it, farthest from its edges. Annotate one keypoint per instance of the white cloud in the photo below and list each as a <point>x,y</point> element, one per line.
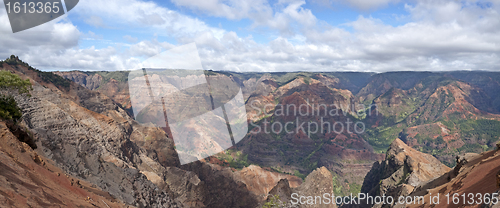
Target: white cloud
<point>231,9</point>
<point>363,5</point>
<point>55,45</point>
<point>145,49</point>
<point>282,16</point>
<point>38,42</point>
<point>450,36</point>
<point>146,16</point>
<point>370,4</point>
<point>95,21</point>
<point>92,36</point>
<point>442,35</point>
<point>130,39</point>
<point>299,14</point>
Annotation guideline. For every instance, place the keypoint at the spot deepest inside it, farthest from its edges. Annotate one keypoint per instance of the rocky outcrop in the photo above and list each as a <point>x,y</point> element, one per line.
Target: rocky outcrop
<point>88,136</point>
<point>116,90</point>
<point>477,174</point>
<point>186,187</point>
<point>28,179</point>
<point>317,183</point>
<point>220,191</point>
<point>87,133</point>
<point>282,191</point>
<point>260,181</point>
<point>93,139</point>
<point>381,83</point>
<point>403,169</point>
<point>302,149</point>
<point>89,81</point>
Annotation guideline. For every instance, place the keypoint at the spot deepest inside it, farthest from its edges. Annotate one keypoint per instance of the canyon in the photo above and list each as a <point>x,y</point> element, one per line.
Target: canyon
<point>92,151</point>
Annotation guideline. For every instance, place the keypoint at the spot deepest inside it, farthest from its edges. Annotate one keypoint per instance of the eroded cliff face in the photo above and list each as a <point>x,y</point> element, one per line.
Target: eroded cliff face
<point>347,154</point>
<point>402,171</point>
<point>117,90</point>
<point>93,139</point>
<point>88,136</point>
<point>260,181</point>
<point>300,150</point>
<point>317,183</point>
<point>476,174</point>
<point>91,82</point>
<point>32,180</point>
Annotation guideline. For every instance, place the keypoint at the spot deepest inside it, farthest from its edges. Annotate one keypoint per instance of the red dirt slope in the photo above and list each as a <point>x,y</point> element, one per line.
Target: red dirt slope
<point>29,180</point>
<point>478,176</point>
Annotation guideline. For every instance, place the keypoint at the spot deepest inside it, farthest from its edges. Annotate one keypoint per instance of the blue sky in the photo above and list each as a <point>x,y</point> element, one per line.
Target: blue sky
<point>335,14</point>
<point>259,35</point>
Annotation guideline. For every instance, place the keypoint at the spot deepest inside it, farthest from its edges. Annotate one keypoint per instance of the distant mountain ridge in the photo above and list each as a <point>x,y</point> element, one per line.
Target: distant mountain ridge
<point>434,112</point>
<point>92,138</point>
<point>443,114</point>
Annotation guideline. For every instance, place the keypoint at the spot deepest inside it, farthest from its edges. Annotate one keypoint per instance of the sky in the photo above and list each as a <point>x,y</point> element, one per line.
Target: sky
<point>267,36</point>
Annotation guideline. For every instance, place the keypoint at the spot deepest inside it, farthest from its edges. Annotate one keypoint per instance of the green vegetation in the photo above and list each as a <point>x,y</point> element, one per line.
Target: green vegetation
<point>274,201</point>
<point>48,77</point>
<point>355,188</point>
<point>483,129</point>
<point>307,80</point>
<point>381,137</point>
<point>9,109</point>
<point>337,187</point>
<point>410,112</point>
<point>211,73</point>
<point>57,80</point>
<point>283,78</point>
<point>236,159</point>
<point>344,188</point>
<point>13,60</point>
<point>239,163</point>
<point>408,104</point>
<point>477,136</point>
<point>120,76</point>
<point>435,81</point>
<point>300,175</point>
<point>398,113</point>
<point>9,80</point>
<point>8,106</point>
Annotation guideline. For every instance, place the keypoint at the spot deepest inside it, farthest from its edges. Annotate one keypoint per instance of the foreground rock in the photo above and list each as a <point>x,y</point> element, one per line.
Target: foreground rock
<point>260,181</point>
<point>316,183</point>
<point>403,169</point>
<point>30,180</point>
<point>87,135</point>
<point>477,174</point>
<point>93,139</point>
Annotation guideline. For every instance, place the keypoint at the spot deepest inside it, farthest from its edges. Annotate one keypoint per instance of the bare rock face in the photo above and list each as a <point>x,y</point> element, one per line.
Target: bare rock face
<point>186,186</point>
<point>221,192</point>
<point>94,139</point>
<point>90,82</point>
<point>28,179</point>
<point>118,91</point>
<point>260,181</point>
<point>477,174</point>
<point>316,183</point>
<point>281,190</point>
<point>88,136</point>
<point>403,169</point>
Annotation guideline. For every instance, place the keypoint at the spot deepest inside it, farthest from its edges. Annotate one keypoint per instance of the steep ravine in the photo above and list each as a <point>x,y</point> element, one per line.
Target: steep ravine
<point>87,135</point>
